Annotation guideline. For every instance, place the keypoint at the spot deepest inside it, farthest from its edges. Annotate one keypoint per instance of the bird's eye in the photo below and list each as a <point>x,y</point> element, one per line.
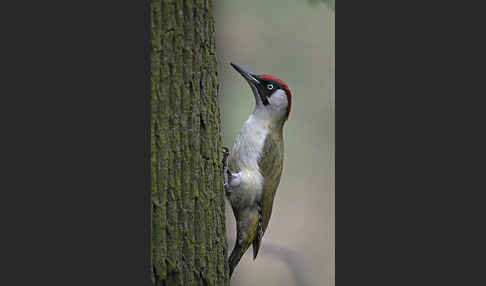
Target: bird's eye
<point>270,86</point>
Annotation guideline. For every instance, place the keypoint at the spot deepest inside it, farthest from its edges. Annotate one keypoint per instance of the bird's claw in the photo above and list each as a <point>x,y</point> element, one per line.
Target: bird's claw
<point>226,172</point>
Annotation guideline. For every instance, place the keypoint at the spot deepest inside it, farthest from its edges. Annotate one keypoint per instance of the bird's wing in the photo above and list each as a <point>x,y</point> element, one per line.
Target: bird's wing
<point>270,165</point>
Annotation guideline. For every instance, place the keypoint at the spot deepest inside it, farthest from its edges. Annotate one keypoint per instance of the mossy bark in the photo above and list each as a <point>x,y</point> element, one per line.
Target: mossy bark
<point>188,237</point>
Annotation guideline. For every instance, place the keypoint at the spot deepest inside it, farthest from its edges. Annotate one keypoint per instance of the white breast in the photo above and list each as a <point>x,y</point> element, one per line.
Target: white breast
<point>246,152</point>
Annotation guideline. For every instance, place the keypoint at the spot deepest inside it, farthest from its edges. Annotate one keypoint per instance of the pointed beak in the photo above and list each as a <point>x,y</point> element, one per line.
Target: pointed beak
<point>254,82</point>
<point>250,77</point>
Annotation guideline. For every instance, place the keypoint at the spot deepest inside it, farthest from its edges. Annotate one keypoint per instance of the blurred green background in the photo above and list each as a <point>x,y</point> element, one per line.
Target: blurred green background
<point>293,40</point>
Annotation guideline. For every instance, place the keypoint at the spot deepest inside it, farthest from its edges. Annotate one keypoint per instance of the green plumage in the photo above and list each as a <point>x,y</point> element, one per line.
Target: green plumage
<point>254,222</point>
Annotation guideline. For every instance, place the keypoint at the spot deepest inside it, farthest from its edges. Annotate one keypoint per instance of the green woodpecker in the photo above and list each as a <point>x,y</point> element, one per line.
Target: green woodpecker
<point>255,162</point>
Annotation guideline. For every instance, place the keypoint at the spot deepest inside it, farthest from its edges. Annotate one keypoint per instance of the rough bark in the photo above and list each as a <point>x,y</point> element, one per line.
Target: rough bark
<point>188,237</point>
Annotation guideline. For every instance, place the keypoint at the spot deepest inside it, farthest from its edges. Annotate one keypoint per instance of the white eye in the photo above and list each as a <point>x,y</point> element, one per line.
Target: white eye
<point>270,86</point>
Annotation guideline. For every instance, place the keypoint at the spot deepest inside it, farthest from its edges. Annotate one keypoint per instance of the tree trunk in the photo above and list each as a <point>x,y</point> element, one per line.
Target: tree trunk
<point>188,236</point>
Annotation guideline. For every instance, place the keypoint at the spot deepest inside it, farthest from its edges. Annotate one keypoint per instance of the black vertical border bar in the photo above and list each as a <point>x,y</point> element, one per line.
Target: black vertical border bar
<point>148,112</point>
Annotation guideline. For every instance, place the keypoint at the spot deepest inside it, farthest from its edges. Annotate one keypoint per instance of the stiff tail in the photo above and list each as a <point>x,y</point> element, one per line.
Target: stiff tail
<point>235,257</point>
<point>239,251</point>
<point>252,235</point>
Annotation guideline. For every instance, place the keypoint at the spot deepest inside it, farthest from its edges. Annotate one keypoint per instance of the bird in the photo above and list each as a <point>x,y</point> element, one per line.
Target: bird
<point>255,162</point>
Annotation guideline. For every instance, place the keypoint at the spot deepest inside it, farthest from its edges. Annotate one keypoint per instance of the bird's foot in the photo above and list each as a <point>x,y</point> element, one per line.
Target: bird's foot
<point>226,172</point>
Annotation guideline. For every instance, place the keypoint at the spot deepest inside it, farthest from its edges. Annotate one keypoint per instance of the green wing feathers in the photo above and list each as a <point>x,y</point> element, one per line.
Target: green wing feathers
<point>270,166</point>
<point>259,233</point>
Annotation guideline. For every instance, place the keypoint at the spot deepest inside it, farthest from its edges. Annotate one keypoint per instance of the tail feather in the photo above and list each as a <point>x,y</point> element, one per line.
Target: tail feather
<point>239,251</point>
<point>235,257</point>
<point>245,237</point>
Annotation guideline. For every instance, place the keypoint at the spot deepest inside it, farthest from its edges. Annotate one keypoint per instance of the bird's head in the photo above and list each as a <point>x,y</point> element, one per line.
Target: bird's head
<point>272,95</point>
